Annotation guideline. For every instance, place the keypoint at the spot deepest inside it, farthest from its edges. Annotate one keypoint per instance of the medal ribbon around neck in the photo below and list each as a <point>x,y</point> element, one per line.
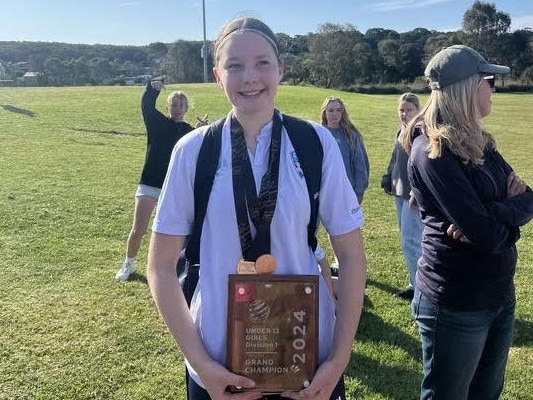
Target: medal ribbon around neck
<point>248,206</point>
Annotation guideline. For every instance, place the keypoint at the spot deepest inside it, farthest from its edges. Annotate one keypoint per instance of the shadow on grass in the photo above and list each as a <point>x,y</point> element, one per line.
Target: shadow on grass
<point>382,286</point>
<point>392,382</point>
<point>373,328</point>
<point>111,132</point>
<point>18,110</point>
<point>523,333</point>
<point>135,277</point>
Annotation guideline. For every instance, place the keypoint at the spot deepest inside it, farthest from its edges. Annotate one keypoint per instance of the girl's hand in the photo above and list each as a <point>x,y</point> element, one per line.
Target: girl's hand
<point>202,121</point>
<point>515,185</point>
<point>322,385</point>
<point>218,379</point>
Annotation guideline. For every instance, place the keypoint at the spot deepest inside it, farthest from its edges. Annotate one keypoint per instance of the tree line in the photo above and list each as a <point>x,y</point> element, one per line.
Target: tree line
<point>336,56</point>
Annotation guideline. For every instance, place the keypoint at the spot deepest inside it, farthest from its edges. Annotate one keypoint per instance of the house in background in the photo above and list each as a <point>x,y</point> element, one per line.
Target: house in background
<point>30,78</point>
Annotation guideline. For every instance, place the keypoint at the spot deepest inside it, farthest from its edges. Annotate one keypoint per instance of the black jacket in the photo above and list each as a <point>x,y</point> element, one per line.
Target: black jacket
<point>395,181</point>
<point>476,275</point>
<point>162,135</point>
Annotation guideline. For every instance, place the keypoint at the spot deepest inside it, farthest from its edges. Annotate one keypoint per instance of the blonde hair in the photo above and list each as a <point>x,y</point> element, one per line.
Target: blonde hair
<point>245,24</point>
<point>451,118</point>
<point>346,124</point>
<point>410,98</point>
<point>180,94</point>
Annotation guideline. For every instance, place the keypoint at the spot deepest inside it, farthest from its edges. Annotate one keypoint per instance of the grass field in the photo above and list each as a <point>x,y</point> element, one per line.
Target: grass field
<point>70,162</point>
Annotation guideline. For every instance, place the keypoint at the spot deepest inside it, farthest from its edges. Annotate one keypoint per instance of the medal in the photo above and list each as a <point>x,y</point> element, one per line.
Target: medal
<point>265,264</point>
<point>246,267</point>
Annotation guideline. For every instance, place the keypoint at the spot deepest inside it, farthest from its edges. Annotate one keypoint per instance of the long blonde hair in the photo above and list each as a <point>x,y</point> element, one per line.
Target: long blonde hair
<point>346,124</point>
<point>451,118</point>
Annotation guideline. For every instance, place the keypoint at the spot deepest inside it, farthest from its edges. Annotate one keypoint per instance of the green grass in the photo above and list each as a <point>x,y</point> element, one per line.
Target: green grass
<point>70,162</point>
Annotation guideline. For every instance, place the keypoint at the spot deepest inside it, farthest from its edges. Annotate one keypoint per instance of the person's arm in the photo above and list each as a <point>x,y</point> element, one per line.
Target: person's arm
<point>392,160</point>
<point>443,184</point>
<point>516,209</point>
<point>361,167</point>
<point>202,121</point>
<point>386,179</point>
<point>342,218</point>
<point>171,304</point>
<point>151,115</point>
<point>168,296</point>
<point>351,286</point>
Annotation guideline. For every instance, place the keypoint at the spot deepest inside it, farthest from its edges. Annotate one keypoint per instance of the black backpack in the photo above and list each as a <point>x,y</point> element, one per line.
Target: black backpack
<point>310,154</point>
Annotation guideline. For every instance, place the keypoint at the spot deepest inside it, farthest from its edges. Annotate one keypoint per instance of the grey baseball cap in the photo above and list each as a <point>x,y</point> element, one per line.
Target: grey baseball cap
<point>458,62</point>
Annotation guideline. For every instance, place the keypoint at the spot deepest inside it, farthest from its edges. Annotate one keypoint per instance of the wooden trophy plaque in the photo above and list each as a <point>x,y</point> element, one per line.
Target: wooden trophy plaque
<point>272,330</point>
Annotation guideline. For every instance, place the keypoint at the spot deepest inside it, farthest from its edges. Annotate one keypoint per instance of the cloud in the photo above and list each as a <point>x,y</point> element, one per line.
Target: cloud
<point>521,22</point>
<point>130,4</point>
<point>401,4</point>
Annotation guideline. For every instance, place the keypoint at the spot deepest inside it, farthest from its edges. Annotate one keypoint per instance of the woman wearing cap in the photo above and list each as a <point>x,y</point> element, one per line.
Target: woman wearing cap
<point>472,206</point>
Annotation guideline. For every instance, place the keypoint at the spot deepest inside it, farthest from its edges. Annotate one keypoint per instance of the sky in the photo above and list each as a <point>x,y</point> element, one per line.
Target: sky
<point>141,22</point>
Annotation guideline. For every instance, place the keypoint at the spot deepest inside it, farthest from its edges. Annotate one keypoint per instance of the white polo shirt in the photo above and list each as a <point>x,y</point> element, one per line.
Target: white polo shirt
<point>220,248</point>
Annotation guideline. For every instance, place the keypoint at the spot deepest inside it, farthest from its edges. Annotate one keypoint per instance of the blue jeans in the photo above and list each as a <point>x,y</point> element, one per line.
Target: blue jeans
<point>464,352</point>
<point>411,227</point>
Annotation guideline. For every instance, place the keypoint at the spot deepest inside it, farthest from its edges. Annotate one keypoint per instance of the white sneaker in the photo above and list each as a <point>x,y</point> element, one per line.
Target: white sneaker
<point>127,269</point>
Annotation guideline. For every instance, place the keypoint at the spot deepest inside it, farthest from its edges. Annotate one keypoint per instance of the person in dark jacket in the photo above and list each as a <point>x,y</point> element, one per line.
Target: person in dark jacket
<point>162,134</point>
<point>472,205</point>
<point>396,183</point>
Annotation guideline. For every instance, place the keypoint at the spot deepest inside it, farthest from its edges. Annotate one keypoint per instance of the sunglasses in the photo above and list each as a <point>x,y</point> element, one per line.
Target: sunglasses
<point>491,80</point>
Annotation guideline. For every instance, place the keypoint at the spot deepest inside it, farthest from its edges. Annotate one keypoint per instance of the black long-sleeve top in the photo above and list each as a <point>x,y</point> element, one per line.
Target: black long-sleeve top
<point>479,274</point>
<point>162,135</point>
<point>397,182</point>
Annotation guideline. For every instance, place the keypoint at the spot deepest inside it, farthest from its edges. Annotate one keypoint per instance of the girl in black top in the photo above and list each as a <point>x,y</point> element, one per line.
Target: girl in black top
<point>162,134</point>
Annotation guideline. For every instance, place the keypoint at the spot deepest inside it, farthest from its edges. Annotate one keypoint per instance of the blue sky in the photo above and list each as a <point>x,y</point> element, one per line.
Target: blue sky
<point>141,22</point>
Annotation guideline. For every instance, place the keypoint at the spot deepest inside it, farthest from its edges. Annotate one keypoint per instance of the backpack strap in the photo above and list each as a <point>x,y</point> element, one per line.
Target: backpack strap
<point>310,154</point>
<point>206,168</point>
